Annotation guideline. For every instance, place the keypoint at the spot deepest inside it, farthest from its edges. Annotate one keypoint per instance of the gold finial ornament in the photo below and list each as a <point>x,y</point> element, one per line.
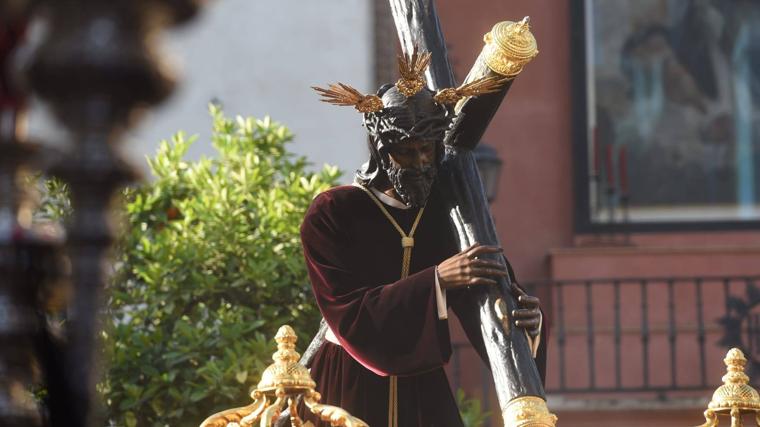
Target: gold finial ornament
<point>412,72</point>
<point>528,411</point>
<point>509,47</point>
<point>735,397</point>
<point>282,383</point>
<point>286,371</point>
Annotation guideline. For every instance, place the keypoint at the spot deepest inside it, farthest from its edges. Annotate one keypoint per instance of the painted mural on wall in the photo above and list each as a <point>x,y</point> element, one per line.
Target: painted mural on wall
<point>674,121</point>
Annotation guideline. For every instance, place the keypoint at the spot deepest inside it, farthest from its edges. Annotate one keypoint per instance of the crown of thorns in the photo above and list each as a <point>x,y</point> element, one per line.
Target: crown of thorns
<point>412,70</point>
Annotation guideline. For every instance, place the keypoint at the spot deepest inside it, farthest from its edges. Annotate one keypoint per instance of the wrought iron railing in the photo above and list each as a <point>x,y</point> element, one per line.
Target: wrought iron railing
<point>641,335</point>
<point>648,334</point>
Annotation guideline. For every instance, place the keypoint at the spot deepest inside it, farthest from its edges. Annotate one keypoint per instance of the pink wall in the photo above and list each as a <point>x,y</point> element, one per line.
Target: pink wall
<point>534,214</point>
<point>531,131</point>
<point>533,135</point>
<point>654,261</point>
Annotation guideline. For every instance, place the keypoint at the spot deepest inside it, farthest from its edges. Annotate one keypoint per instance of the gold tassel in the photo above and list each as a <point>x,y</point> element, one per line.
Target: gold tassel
<point>407,242</point>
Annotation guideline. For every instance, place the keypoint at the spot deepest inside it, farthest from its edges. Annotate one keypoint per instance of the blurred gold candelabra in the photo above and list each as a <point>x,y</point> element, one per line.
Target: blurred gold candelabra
<point>281,385</point>
<point>735,398</point>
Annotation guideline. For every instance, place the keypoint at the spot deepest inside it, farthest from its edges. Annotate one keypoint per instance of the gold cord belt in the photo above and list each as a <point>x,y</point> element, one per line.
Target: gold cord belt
<point>407,242</point>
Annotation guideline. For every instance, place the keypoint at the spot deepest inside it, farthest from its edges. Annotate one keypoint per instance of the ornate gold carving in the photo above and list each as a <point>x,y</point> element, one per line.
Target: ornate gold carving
<point>412,71</point>
<point>509,47</point>
<point>284,382</point>
<point>346,96</point>
<point>735,397</point>
<point>474,88</point>
<point>235,415</point>
<point>503,51</point>
<point>286,372</point>
<point>528,411</point>
<point>270,413</point>
<point>447,96</point>
<point>711,419</point>
<point>336,416</point>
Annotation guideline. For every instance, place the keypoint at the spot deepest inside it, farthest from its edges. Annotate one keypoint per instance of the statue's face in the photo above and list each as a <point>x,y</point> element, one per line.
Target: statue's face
<point>412,170</point>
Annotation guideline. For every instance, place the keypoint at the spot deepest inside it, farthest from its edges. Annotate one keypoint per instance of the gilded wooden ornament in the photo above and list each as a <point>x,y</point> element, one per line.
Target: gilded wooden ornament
<point>509,47</point>
<point>412,70</point>
<point>477,87</point>
<point>346,96</point>
<point>285,371</point>
<point>336,416</point>
<point>529,411</point>
<point>283,382</point>
<point>735,397</point>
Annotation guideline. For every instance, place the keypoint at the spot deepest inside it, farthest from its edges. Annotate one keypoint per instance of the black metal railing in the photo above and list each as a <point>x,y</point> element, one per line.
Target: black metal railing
<point>634,335</point>
<point>649,334</point>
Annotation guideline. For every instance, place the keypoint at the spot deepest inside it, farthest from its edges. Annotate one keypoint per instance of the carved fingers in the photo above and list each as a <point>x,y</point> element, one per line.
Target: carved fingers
<point>476,249</point>
<point>528,316</point>
<point>468,269</point>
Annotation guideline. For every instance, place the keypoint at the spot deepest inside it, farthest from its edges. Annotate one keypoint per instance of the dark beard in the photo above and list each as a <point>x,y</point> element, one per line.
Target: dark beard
<point>411,184</point>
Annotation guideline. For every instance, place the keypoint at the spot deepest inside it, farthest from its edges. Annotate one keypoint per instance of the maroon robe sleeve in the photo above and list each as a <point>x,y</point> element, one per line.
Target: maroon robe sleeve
<point>390,328</point>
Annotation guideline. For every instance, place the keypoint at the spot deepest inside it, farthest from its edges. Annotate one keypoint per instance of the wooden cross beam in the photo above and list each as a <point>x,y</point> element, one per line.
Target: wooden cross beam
<point>508,351</point>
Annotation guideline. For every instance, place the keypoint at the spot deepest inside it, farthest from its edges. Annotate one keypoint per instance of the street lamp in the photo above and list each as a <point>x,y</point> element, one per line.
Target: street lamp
<point>489,166</point>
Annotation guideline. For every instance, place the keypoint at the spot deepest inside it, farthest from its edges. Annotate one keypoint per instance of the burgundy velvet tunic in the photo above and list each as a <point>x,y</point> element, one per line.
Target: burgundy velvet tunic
<point>386,325</point>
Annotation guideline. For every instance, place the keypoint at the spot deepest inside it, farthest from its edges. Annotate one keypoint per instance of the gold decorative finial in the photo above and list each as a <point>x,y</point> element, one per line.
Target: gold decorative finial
<point>286,372</point>
<point>735,397</point>
<point>282,383</point>
<point>509,47</point>
<point>528,411</point>
<point>522,26</point>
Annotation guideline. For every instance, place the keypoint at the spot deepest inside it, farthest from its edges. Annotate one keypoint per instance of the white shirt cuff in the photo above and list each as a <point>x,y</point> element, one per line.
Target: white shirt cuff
<point>440,299</point>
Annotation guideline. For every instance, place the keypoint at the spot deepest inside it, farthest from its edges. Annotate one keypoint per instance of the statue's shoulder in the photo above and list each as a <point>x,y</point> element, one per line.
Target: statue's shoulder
<point>340,195</point>
<point>337,199</point>
<point>332,209</point>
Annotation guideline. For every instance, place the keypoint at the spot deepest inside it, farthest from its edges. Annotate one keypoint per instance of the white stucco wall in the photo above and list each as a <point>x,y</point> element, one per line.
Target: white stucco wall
<point>261,57</point>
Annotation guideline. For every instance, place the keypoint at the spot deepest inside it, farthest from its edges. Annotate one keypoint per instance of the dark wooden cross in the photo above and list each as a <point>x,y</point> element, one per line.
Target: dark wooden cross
<point>508,351</point>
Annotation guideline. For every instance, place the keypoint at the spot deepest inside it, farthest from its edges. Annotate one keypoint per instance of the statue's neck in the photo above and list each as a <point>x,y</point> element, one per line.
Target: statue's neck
<point>389,190</point>
<point>391,197</point>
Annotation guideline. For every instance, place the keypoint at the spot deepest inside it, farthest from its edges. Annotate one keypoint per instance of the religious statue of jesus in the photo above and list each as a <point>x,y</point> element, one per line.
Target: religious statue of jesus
<point>385,266</point>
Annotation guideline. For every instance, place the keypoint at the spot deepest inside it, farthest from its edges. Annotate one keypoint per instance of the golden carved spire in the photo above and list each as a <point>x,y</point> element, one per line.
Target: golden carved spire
<point>286,372</point>
<point>735,397</point>
<point>282,383</point>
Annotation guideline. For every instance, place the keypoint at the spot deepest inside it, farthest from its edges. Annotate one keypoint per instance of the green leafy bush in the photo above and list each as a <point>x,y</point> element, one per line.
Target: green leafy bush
<point>470,410</point>
<point>210,267</point>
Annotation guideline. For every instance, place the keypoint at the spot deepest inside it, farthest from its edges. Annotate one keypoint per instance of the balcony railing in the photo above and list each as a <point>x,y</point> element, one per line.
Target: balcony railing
<point>649,334</point>
<point>641,335</point>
